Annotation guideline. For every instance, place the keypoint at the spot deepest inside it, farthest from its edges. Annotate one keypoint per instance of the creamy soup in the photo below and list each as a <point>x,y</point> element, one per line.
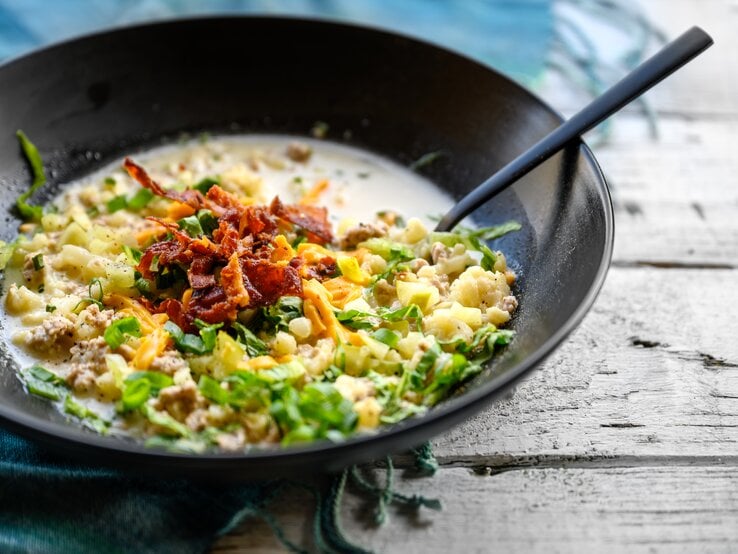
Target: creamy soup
<point>253,290</point>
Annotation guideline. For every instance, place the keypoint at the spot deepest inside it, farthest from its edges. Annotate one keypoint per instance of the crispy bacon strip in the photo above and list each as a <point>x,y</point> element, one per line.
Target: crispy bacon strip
<point>190,197</point>
<point>232,281</point>
<point>312,219</point>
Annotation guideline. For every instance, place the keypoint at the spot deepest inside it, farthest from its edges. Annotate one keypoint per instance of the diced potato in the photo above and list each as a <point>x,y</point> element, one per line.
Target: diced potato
<point>368,410</point>
<point>414,232</point>
<point>354,388</point>
<point>425,296</point>
<point>407,346</point>
<point>378,349</point>
<point>74,234</point>
<point>283,344</point>
<point>471,316</point>
<point>119,276</point>
<point>53,222</point>
<point>107,386</point>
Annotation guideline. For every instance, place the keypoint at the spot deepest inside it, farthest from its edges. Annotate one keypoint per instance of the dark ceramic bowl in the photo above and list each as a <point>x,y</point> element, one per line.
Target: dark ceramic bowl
<point>89,101</point>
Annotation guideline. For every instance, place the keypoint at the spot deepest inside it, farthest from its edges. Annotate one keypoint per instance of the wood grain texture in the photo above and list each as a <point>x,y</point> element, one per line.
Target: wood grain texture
<point>635,510</point>
<point>675,197</point>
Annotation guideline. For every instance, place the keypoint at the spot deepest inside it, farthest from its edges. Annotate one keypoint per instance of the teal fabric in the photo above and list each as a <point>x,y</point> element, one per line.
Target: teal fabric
<point>51,504</point>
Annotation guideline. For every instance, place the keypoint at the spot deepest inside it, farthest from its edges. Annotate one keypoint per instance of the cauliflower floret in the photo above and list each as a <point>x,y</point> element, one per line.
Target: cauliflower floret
<point>444,326</point>
<point>450,260</point>
<point>300,327</point>
<point>20,299</point>
<point>414,232</point>
<point>477,288</point>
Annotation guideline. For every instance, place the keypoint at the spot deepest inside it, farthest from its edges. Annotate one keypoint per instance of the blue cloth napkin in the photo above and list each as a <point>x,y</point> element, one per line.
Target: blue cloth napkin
<point>51,504</point>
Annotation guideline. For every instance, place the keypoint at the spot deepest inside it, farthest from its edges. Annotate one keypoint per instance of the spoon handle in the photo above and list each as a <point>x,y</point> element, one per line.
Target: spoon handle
<point>662,64</point>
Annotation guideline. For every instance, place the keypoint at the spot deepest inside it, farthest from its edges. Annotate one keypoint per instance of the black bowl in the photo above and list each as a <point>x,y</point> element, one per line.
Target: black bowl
<point>88,101</point>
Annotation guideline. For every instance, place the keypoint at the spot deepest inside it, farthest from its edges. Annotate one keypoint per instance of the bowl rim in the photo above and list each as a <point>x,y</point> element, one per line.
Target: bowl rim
<point>471,401</point>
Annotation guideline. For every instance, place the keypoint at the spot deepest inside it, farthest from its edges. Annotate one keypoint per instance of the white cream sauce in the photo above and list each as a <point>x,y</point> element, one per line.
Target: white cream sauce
<point>361,183</point>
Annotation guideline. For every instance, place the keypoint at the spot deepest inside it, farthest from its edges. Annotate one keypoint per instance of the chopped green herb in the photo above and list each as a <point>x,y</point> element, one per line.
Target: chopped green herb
<point>426,159</point>
<point>116,331</point>
<point>42,382</point>
<point>317,411</point>
<point>50,308</point>
<point>109,181</point>
<point>299,239</point>
<point>191,226</point>
<point>490,233</point>
<point>165,421</point>
<point>208,221</point>
<point>38,262</point>
<point>93,298</point>
<point>387,336</point>
<point>140,200</point>
<point>205,184</point>
<point>72,407</point>
<point>117,203</point>
<point>141,385</point>
<point>31,153</point>
<point>133,254</point>
<point>143,285</point>
<point>253,344</point>
<point>279,314</point>
<point>211,389</point>
<point>355,319</point>
<point>186,342</point>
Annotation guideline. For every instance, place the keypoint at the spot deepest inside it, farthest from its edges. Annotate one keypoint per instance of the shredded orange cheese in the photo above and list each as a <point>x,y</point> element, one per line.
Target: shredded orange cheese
<point>313,195</point>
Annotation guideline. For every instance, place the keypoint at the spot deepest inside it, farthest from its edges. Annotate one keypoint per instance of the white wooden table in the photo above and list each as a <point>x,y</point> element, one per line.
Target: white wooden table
<point>626,440</point>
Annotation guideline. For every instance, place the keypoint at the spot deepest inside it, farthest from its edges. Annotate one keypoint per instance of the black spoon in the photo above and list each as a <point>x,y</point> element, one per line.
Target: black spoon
<point>662,64</point>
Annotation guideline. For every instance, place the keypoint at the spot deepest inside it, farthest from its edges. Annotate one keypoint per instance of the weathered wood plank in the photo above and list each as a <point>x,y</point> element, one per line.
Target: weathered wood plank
<point>654,509</point>
<point>676,197</point>
<point>652,372</point>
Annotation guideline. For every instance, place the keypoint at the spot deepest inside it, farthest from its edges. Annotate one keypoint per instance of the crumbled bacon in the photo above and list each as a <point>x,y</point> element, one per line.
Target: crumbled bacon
<point>191,197</point>
<point>312,219</point>
<point>236,269</point>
